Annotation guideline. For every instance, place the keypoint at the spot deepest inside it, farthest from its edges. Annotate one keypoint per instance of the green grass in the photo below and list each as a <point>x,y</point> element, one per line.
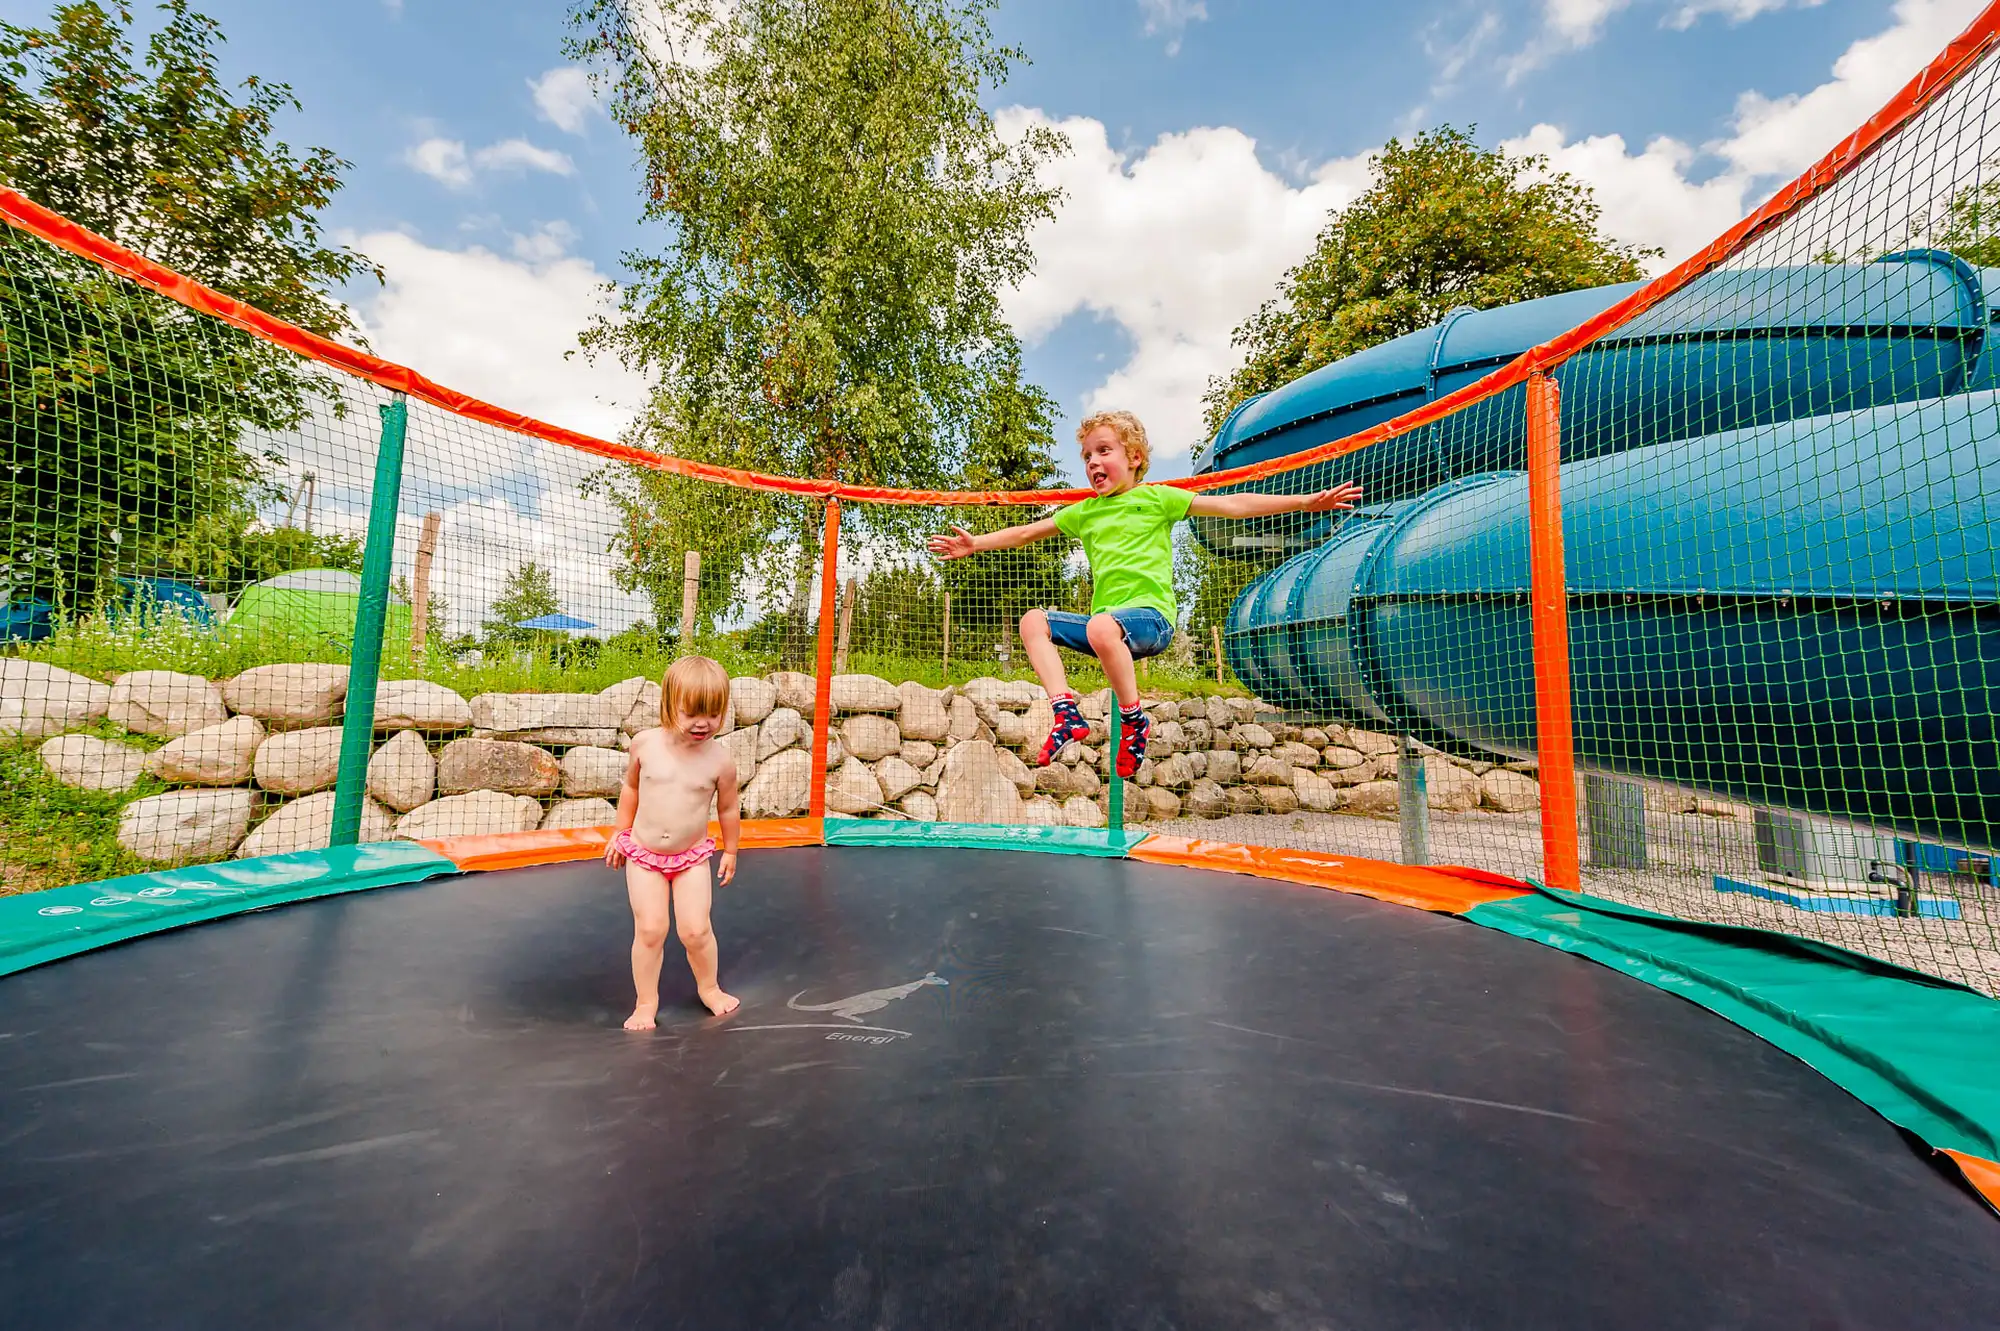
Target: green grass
<point>51,834</point>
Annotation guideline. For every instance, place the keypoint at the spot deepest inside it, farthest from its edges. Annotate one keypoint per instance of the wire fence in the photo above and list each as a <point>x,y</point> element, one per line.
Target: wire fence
<point>1693,607</point>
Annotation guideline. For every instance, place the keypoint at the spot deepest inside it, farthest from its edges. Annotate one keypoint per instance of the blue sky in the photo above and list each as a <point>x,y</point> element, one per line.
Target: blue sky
<point>1212,137</point>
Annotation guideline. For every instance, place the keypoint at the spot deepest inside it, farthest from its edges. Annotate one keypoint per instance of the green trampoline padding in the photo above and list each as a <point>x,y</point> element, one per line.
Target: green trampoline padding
<point>47,926</point>
<point>1097,841</point>
<point>1916,1049</point>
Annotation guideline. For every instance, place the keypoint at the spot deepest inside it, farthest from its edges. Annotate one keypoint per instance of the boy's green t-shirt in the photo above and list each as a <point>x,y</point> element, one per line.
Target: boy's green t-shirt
<point>1128,539</point>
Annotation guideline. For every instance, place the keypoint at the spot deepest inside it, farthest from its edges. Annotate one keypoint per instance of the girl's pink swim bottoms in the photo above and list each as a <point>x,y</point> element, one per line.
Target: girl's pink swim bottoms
<point>670,865</point>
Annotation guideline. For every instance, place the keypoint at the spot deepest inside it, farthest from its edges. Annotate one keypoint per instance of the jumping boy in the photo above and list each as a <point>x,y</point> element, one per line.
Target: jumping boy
<point>1126,530</point>
<point>661,834</point>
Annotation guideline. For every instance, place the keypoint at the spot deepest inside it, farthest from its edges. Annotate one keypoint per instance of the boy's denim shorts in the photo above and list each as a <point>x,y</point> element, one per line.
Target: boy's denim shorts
<point>1147,631</point>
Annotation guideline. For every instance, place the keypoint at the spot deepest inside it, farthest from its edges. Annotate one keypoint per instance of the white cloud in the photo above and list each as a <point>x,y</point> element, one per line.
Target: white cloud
<point>564,97</point>
<point>1171,18</point>
<point>1734,11</point>
<point>447,161</point>
<point>1571,25</point>
<point>1176,244</point>
<point>1452,56</point>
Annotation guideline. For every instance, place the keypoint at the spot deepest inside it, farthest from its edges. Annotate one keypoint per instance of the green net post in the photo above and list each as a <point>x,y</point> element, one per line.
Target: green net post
<point>370,618</point>
<point>1115,811</point>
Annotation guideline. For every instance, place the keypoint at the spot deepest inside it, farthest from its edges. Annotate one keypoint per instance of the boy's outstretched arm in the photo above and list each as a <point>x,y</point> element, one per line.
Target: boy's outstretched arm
<point>959,542</point>
<point>1263,505</point>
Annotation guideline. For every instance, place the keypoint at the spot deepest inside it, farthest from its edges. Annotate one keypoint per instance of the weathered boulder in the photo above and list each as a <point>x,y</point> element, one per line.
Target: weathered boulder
<point>1144,776</point>
<point>1054,780</point>
<point>547,718</point>
<point>184,826</point>
<point>1166,740</point>
<point>1041,812</point>
<point>1198,735</point>
<point>1243,799</point>
<point>1278,799</point>
<point>288,697</point>
<point>974,786</point>
<point>637,704</point>
<point>475,813</point>
<point>1036,723</point>
<point>580,813</point>
<point>965,722</point>
<point>852,788</point>
<point>1206,799</point>
<point>1370,743</point>
<point>1011,732</point>
<point>1018,772</point>
<point>782,787</point>
<point>920,806</point>
<point>1174,773</point>
<point>1509,792</point>
<point>504,765</point>
<point>1165,710</point>
<point>223,755</point>
<point>1010,694</point>
<point>1372,799</point>
<point>922,713</point>
<point>1094,706</point>
<point>38,700</point>
<point>1224,767</point>
<point>742,745</point>
<point>782,729</point>
<point>307,824</point>
<point>1339,757</point>
<point>752,699</point>
<point>1219,713</point>
<point>1197,762</point>
<point>918,753</point>
<point>1071,753</point>
<point>1449,787</point>
<point>897,778</point>
<point>418,704</point>
<point>1268,771</point>
<point>298,762</point>
<point>90,763</point>
<point>1294,754</point>
<point>1161,805</point>
<point>1315,736</point>
<point>794,690</point>
<point>588,771</point>
<point>869,737</point>
<point>402,773</point>
<point>1252,736</point>
<point>1315,792</point>
<point>1080,812</point>
<point>165,702</point>
<point>863,693</point>
<point>1083,779</point>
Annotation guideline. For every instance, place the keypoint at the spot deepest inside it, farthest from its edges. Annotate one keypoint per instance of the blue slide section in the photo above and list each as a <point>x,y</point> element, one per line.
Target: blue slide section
<point>1822,633</point>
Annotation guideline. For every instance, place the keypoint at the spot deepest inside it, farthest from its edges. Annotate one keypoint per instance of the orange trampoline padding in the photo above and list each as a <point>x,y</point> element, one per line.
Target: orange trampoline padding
<point>1983,1175</point>
<point>1450,889</point>
<point>518,850</point>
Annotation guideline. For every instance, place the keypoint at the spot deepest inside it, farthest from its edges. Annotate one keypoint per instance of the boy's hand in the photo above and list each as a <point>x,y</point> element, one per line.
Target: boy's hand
<point>725,868</point>
<point>1340,496</point>
<point>952,547</point>
<point>614,856</point>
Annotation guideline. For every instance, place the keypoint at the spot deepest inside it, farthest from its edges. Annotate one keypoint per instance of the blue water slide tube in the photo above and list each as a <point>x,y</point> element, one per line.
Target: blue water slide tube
<point>1804,615</point>
<point>1736,348</point>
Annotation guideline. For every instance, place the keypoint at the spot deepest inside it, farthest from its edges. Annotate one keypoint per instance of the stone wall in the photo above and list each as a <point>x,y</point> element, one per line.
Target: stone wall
<point>252,760</point>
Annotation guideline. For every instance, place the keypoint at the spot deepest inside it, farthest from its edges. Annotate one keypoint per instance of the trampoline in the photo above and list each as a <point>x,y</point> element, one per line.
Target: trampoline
<point>965,1089</point>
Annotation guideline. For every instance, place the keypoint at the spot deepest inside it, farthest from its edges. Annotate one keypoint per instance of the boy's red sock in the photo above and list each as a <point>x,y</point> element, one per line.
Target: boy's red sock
<point>1069,725</point>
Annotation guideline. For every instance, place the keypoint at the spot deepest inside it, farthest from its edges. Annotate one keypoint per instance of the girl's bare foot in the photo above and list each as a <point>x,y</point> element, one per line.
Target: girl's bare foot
<point>719,1003</point>
<point>644,1017</point>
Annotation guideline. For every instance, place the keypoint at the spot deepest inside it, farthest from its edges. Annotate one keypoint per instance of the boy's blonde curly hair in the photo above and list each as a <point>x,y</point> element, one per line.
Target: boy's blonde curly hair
<point>1130,433</point>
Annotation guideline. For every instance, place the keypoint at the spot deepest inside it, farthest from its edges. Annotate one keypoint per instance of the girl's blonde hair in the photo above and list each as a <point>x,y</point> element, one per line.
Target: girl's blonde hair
<point>1130,433</point>
<point>695,685</point>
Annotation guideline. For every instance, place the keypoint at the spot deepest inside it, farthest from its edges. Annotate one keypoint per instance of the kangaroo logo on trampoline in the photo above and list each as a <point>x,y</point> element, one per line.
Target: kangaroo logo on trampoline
<point>851,1009</point>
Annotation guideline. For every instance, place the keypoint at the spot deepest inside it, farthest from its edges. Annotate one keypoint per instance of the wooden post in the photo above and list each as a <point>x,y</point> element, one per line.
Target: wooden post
<point>420,586</point>
<point>1548,593</point>
<point>846,625</point>
<point>1215,636</point>
<point>690,598</point>
<point>947,637</point>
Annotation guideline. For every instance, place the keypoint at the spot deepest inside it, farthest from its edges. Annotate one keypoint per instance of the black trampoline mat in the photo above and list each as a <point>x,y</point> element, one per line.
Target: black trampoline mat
<point>1146,1097</point>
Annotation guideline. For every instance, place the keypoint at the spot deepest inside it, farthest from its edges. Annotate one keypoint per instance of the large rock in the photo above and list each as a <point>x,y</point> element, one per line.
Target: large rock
<point>1278,799</point>
<point>1340,758</point>
<point>1197,762</point>
<point>965,722</point>
<point>418,704</point>
<point>1252,737</point>
<point>742,745</point>
<point>1036,723</point>
<point>1010,732</point>
<point>590,771</point>
<point>1224,767</point>
<point>1161,805</point>
<point>298,762</point>
<point>1315,736</point>
<point>1243,799</point>
<point>1198,734</point>
<point>403,774</point>
<point>1080,812</point>
<point>782,787</point>
<point>89,763</point>
<point>1083,779</point>
<point>1297,755</point>
<point>1449,787</point>
<point>580,813</point>
<point>1011,694</point>
<point>1206,799</point>
<point>1167,739</point>
<point>1219,714</point>
<point>1371,744</point>
<point>975,786</point>
<point>38,700</point>
<point>918,753</point>
<point>794,690</point>
<point>782,729</point>
<point>1054,780</point>
<point>307,824</point>
<point>547,718</point>
<point>475,813</point>
<point>223,755</point>
<point>870,738</point>
<point>920,806</point>
<point>1509,792</point>
<point>1175,772</point>
<point>637,703</point>
<point>1041,812</point>
<point>853,789</point>
<point>897,778</point>
<point>165,702</point>
<point>922,713</point>
<point>1373,799</point>
<point>186,826</point>
<point>1315,792</point>
<point>1268,771</point>
<point>863,693</point>
<point>505,765</point>
<point>1165,710</point>
<point>1017,771</point>
<point>288,697</point>
<point>751,699</point>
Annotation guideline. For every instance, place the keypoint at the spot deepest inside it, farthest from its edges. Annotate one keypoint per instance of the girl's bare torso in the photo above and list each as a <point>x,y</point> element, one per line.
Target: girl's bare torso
<point>676,789</point>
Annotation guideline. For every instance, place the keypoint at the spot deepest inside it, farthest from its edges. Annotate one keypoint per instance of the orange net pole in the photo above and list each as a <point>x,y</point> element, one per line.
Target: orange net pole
<point>829,590</point>
<point>1555,755</point>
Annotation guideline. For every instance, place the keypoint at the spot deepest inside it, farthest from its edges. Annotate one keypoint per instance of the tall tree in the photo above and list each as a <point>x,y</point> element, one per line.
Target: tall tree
<point>528,593</point>
<point>842,217</point>
<point>1446,223</point>
<point>130,413</point>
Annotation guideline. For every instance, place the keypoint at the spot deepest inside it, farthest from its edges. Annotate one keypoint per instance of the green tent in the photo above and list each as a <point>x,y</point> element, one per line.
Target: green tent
<point>311,600</point>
